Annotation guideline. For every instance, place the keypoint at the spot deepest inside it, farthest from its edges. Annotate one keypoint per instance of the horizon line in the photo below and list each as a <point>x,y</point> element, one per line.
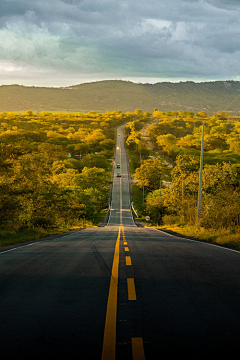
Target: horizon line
<point>122,80</point>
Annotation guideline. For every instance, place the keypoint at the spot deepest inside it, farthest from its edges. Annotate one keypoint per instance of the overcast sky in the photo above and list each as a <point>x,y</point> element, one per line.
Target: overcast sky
<point>67,42</point>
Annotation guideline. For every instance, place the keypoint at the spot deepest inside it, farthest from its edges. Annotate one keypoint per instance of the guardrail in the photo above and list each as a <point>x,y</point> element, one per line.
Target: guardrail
<point>134,210</point>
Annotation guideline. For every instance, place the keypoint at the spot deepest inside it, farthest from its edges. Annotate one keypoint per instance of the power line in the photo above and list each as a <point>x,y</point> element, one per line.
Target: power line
<point>231,103</point>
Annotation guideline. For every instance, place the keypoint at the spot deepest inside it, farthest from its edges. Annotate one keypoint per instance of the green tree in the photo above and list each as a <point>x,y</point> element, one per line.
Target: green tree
<point>212,142</point>
<point>138,112</point>
<point>157,114</point>
<point>202,114</point>
<point>94,160</point>
<point>156,130</point>
<point>155,204</point>
<point>94,177</point>
<point>150,173</point>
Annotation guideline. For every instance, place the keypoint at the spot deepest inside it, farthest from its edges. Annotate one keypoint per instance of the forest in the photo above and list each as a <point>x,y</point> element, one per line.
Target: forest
<point>167,173</point>
<point>55,171</point>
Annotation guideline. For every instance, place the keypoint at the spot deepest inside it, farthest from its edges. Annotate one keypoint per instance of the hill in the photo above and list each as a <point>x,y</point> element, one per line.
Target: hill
<point>123,95</point>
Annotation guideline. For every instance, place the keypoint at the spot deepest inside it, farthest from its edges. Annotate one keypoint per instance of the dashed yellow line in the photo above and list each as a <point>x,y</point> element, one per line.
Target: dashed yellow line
<point>131,289</point>
<point>128,260</point>
<point>137,349</point>
<point>109,339</point>
<point>121,201</point>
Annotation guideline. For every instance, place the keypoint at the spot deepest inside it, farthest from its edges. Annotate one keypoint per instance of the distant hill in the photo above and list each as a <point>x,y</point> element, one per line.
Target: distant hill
<point>126,96</point>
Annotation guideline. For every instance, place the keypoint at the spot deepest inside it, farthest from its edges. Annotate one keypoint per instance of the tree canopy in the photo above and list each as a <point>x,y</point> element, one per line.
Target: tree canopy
<point>55,168</point>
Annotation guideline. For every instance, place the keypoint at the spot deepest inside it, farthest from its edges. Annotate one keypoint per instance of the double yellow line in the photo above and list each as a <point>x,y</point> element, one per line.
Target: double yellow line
<point>109,339</point>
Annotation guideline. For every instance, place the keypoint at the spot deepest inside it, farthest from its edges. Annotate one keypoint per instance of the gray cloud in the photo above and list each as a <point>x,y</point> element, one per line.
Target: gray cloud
<point>224,3</point>
<point>177,39</point>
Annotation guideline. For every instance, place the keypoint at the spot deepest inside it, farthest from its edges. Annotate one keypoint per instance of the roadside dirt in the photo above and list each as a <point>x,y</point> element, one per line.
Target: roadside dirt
<point>145,137</point>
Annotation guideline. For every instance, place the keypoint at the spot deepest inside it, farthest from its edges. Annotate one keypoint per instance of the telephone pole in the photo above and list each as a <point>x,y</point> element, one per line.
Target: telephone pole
<point>143,181</point>
<point>200,177</point>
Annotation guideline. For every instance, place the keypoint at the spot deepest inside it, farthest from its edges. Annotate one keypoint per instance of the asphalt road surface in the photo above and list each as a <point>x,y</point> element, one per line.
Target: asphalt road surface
<point>119,292</point>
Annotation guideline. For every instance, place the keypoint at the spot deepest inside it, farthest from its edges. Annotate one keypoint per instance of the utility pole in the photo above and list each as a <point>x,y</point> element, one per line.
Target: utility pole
<point>143,181</point>
<point>183,186</point>
<point>159,212</point>
<point>183,196</point>
<point>200,177</point>
<point>143,197</point>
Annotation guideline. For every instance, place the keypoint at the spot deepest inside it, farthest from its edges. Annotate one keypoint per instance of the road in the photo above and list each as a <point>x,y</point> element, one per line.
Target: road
<point>119,292</point>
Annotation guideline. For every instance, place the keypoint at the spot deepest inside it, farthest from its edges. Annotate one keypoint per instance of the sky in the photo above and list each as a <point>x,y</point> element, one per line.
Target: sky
<point>57,43</point>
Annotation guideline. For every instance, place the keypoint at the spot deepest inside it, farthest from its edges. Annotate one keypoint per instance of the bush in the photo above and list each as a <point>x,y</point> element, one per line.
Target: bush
<point>170,219</point>
<point>43,222</point>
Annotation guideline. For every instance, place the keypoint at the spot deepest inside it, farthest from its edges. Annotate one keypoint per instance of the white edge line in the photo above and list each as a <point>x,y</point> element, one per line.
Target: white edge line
<point>198,241</point>
<point>35,242</point>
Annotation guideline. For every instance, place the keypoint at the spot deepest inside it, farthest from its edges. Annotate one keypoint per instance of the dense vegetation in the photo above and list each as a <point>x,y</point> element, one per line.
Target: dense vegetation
<point>176,137</point>
<point>55,170</point>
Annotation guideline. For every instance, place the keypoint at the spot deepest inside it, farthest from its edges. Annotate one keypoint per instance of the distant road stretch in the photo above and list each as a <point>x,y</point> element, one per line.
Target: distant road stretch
<point>119,292</point>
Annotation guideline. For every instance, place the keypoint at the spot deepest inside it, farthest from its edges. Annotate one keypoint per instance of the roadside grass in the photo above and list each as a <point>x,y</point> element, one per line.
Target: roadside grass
<point>12,237</point>
<point>98,219</point>
<point>8,237</point>
<point>226,237</point>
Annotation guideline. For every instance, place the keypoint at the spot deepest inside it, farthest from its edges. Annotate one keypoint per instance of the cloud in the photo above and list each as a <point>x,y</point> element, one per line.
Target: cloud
<point>187,38</point>
<point>224,3</point>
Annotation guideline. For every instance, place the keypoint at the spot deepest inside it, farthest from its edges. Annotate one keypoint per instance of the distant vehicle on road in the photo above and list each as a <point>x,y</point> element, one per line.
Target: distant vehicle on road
<point>118,174</point>
<point>118,166</point>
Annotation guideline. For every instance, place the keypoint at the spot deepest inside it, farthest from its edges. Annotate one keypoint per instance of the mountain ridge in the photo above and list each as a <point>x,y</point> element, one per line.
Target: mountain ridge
<point>122,95</point>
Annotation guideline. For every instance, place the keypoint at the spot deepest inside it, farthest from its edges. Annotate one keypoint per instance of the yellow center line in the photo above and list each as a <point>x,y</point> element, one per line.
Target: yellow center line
<point>121,201</point>
<point>124,243</point>
<point>109,339</point>
<point>137,349</point>
<point>137,342</point>
<point>131,289</point>
<point>128,260</point>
